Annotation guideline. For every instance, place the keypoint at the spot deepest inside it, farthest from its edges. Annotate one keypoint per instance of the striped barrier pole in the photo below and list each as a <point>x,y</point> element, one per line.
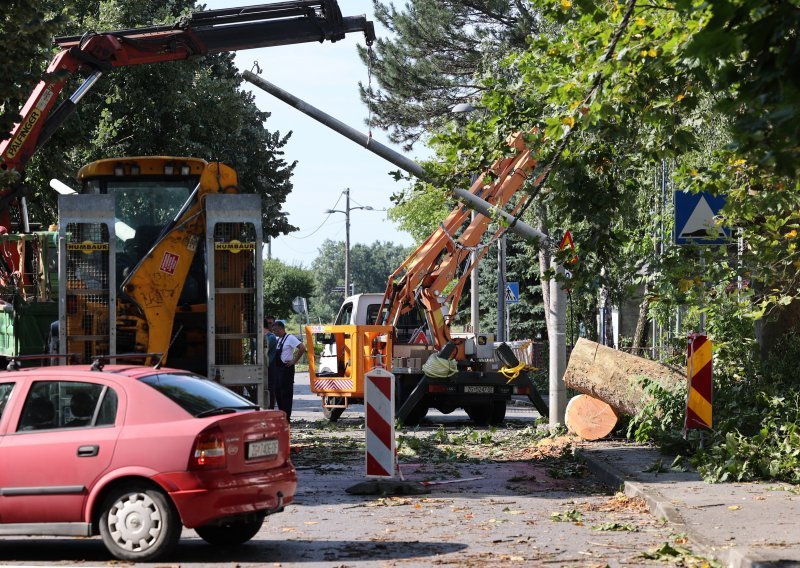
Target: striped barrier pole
<point>381,460</point>
<point>699,409</point>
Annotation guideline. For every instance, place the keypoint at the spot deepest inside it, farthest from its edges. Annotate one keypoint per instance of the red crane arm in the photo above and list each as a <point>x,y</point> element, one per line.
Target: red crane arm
<point>214,31</point>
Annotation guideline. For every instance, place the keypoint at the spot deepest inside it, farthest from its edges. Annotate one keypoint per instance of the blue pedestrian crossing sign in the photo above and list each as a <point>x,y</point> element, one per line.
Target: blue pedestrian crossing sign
<point>696,219</point>
<point>512,292</point>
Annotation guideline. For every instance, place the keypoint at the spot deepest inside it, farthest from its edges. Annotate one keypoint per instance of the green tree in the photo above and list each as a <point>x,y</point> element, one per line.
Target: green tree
<point>282,284</point>
<point>26,29</point>
<point>437,51</point>
<point>370,267</point>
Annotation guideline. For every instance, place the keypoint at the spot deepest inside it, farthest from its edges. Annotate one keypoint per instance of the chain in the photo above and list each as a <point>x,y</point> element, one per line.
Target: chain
<point>370,58</point>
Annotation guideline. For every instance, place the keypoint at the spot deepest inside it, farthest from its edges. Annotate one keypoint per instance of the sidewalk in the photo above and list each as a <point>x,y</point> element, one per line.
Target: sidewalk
<point>738,524</point>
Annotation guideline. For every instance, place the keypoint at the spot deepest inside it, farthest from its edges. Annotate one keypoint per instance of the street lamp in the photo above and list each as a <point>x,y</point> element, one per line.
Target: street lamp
<point>346,212</point>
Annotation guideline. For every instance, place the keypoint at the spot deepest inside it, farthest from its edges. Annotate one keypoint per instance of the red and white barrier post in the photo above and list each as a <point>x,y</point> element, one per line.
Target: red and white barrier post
<point>381,459</point>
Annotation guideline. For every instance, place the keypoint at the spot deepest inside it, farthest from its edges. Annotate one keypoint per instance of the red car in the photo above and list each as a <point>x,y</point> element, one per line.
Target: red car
<point>134,453</point>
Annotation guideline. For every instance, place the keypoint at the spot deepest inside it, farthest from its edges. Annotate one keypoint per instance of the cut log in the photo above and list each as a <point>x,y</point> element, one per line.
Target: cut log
<point>615,377</point>
<point>590,418</point>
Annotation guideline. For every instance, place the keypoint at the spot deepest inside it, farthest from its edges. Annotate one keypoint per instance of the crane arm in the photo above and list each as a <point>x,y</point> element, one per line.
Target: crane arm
<point>441,259</point>
<point>215,31</point>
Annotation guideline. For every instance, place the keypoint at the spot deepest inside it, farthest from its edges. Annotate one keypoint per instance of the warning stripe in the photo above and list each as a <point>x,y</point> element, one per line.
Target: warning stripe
<point>380,458</point>
<point>333,384</point>
<point>699,409</point>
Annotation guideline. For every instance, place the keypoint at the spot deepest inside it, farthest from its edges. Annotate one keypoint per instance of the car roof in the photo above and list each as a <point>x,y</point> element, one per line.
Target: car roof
<point>132,371</point>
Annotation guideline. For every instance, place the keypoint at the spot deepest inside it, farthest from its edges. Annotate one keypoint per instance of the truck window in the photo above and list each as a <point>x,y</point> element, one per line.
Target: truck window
<point>372,314</point>
<point>345,314</point>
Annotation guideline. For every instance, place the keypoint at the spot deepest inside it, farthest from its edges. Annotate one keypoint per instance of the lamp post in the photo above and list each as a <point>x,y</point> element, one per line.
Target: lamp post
<point>346,212</point>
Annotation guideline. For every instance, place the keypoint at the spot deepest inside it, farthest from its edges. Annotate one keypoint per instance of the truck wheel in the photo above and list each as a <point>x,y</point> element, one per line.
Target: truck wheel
<point>480,414</point>
<point>139,523</point>
<point>231,534</point>
<point>332,414</point>
<point>498,412</point>
<point>416,415</point>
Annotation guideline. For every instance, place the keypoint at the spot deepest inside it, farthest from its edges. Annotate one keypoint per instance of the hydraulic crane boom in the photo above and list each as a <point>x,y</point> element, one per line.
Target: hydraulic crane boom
<point>214,31</point>
<point>442,261</point>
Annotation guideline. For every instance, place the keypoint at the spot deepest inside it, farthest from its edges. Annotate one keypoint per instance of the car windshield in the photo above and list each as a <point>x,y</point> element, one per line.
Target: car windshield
<point>198,396</point>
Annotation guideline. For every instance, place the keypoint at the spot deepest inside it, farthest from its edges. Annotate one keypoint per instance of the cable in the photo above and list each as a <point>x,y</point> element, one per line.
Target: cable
<point>321,224</point>
<point>439,368</point>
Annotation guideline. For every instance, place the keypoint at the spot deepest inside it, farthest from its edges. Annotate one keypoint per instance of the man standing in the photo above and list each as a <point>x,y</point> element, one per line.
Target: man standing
<point>289,351</point>
<point>270,348</point>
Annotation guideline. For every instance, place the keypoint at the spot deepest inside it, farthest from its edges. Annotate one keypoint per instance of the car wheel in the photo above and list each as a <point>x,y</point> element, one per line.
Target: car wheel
<point>139,523</point>
<point>333,414</point>
<point>231,534</point>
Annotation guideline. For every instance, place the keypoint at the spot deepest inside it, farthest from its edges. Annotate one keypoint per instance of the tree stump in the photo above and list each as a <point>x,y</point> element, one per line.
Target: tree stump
<point>590,418</point>
<point>615,376</point>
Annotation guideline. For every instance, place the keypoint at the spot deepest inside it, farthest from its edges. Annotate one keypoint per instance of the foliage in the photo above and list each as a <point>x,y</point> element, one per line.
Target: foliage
<point>370,267</point>
<point>431,61</point>
<point>283,283</point>
<point>613,93</point>
<point>26,30</point>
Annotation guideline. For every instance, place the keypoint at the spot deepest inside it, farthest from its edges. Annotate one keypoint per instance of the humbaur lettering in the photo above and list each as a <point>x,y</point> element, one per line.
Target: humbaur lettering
<point>235,246</point>
<point>87,247</point>
<point>24,132</point>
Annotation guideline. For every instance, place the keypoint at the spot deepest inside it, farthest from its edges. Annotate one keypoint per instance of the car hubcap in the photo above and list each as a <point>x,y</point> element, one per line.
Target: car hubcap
<point>135,522</point>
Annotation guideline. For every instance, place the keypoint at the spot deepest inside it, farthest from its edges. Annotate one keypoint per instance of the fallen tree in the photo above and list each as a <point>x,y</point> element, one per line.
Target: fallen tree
<point>615,377</point>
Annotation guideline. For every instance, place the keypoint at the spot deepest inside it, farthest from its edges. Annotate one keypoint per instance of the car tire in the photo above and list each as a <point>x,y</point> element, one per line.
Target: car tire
<point>333,414</point>
<point>139,523</point>
<point>231,534</point>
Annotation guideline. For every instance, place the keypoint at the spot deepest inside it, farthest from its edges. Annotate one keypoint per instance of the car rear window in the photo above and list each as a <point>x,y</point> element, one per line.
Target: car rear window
<point>195,394</point>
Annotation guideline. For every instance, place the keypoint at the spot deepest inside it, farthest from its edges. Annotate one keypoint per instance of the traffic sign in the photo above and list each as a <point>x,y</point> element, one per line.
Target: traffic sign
<point>512,292</point>
<point>695,219</point>
<point>568,242</point>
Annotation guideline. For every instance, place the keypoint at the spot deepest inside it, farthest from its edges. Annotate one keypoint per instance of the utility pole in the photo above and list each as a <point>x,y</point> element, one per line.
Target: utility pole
<point>348,289</point>
<point>347,242</point>
<point>501,288</point>
<point>474,294</point>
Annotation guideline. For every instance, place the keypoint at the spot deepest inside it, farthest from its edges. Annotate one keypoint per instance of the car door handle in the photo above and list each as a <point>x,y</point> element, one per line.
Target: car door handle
<point>88,451</point>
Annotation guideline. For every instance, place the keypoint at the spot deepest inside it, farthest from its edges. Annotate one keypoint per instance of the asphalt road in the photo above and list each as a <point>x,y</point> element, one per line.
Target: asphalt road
<point>491,503</point>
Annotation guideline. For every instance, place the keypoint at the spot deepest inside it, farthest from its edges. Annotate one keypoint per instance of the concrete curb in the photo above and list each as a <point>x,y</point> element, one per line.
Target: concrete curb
<point>663,509</point>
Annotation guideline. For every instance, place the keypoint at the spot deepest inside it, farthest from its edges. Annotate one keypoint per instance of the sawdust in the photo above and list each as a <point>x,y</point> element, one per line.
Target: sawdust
<point>617,504</point>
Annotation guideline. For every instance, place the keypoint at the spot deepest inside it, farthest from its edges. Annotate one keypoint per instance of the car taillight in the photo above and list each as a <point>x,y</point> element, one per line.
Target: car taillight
<point>208,451</point>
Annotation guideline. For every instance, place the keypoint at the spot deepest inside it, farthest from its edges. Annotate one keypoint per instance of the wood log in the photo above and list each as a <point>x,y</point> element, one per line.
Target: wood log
<point>589,417</point>
<point>615,376</point>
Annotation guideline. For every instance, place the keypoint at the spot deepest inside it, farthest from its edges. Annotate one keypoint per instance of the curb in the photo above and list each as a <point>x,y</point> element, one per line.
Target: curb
<point>663,509</point>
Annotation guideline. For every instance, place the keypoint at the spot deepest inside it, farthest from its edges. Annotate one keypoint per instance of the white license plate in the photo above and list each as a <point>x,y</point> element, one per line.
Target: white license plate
<point>262,449</point>
<point>479,389</point>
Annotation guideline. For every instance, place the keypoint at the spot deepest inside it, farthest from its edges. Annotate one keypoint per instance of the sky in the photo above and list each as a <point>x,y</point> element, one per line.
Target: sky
<point>326,76</point>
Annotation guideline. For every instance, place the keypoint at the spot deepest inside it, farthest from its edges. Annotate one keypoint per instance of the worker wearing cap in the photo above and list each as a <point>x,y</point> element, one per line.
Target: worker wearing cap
<point>289,351</point>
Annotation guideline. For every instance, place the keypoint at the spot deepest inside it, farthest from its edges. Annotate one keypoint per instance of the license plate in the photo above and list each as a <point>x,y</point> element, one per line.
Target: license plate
<point>262,449</point>
<point>479,389</point>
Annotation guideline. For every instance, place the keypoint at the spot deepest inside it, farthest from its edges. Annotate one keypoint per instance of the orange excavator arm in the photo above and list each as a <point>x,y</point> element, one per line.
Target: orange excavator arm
<point>442,260</point>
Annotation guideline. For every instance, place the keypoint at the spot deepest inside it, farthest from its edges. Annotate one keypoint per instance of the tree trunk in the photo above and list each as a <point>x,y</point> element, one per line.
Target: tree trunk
<point>640,335</point>
<point>614,376</point>
<point>589,417</point>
